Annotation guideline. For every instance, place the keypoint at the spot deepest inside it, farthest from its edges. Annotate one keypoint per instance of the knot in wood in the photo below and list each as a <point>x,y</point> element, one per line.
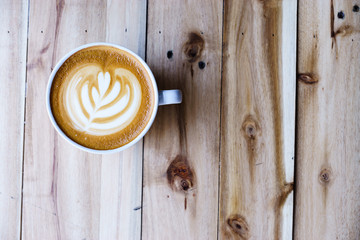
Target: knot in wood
<point>250,130</point>
<point>345,30</point>
<point>250,127</point>
<point>308,78</point>
<point>185,184</point>
<point>179,174</point>
<point>284,192</point>
<point>239,225</point>
<point>325,176</point>
<point>194,47</point>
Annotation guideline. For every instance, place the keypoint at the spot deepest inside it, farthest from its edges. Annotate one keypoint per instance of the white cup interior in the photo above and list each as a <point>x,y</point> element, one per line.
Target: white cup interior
<point>52,119</point>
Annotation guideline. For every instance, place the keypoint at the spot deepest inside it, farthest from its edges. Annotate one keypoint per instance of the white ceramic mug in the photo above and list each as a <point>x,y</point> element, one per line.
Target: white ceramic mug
<point>162,97</point>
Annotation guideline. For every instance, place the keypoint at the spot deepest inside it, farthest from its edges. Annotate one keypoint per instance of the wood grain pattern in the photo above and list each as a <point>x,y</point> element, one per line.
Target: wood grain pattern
<point>70,194</point>
<point>257,124</point>
<point>181,152</point>
<point>121,177</point>
<point>328,134</point>
<point>13,30</point>
<point>236,69</point>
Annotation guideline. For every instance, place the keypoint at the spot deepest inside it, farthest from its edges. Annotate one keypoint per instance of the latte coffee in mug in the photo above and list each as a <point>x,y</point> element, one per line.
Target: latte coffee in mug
<point>102,97</point>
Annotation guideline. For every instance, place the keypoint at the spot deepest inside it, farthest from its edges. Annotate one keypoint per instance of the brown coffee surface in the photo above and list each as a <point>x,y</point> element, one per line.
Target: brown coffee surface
<point>102,97</point>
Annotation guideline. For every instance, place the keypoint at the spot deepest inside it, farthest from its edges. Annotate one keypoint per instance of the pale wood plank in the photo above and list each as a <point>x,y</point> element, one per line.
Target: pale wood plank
<point>61,184</point>
<point>121,178</point>
<point>70,194</point>
<point>328,120</point>
<point>13,35</point>
<point>188,133</point>
<point>257,123</point>
<point>288,92</point>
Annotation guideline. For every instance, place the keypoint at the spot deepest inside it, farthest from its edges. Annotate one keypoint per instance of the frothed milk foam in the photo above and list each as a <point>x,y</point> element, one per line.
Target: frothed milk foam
<point>102,97</point>
<point>100,105</point>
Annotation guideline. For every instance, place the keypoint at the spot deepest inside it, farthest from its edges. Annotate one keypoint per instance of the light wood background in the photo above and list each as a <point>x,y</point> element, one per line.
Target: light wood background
<point>328,132</point>
<point>270,88</point>
<point>13,30</point>
<point>258,119</point>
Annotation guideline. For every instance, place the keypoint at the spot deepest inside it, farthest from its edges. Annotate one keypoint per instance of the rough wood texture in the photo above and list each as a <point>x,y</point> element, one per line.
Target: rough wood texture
<point>258,106</point>
<point>69,194</point>
<point>328,134</point>
<point>181,153</point>
<point>121,178</point>
<point>13,30</point>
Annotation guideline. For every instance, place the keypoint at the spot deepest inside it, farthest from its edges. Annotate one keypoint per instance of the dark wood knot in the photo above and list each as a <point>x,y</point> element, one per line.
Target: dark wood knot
<point>239,225</point>
<point>250,127</point>
<point>179,174</point>
<point>308,78</point>
<point>185,184</point>
<point>193,47</point>
<point>325,176</point>
<point>345,30</point>
<point>284,192</point>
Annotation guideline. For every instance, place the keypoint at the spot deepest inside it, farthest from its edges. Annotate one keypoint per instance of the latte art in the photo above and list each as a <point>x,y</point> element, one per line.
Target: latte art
<point>102,97</point>
<point>102,103</point>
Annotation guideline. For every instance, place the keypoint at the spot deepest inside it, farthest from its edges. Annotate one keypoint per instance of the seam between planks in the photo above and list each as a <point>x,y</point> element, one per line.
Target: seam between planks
<point>24,122</point>
<point>220,115</point>
<point>296,121</point>
<point>143,144</point>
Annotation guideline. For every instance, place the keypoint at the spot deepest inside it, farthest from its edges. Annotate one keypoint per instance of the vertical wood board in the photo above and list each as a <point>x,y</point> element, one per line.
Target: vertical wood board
<point>121,177</point>
<point>181,153</point>
<point>328,121</point>
<point>70,194</point>
<point>257,122</point>
<point>13,35</point>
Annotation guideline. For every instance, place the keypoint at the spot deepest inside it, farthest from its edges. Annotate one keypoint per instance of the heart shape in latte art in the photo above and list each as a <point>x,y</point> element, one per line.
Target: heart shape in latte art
<point>102,102</point>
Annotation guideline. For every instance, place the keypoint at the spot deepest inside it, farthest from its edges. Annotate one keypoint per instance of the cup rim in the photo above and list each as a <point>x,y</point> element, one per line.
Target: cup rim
<point>72,142</point>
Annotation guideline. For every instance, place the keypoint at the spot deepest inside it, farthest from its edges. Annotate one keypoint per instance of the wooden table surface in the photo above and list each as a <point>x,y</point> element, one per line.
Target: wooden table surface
<point>266,144</point>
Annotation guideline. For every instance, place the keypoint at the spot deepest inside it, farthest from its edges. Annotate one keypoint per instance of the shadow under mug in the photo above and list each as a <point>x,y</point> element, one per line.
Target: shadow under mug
<point>162,97</point>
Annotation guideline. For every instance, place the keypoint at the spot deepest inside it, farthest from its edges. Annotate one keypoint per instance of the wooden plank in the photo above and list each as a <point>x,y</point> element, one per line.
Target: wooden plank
<point>70,194</point>
<point>13,29</point>
<point>181,152</point>
<point>328,120</point>
<point>257,123</point>
<point>121,178</point>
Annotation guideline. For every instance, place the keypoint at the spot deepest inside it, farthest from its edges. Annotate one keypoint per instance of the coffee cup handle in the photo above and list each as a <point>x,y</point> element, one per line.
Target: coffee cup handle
<point>167,97</point>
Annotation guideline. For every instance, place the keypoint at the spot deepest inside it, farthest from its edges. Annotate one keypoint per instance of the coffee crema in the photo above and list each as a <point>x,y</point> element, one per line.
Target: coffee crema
<point>102,97</point>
